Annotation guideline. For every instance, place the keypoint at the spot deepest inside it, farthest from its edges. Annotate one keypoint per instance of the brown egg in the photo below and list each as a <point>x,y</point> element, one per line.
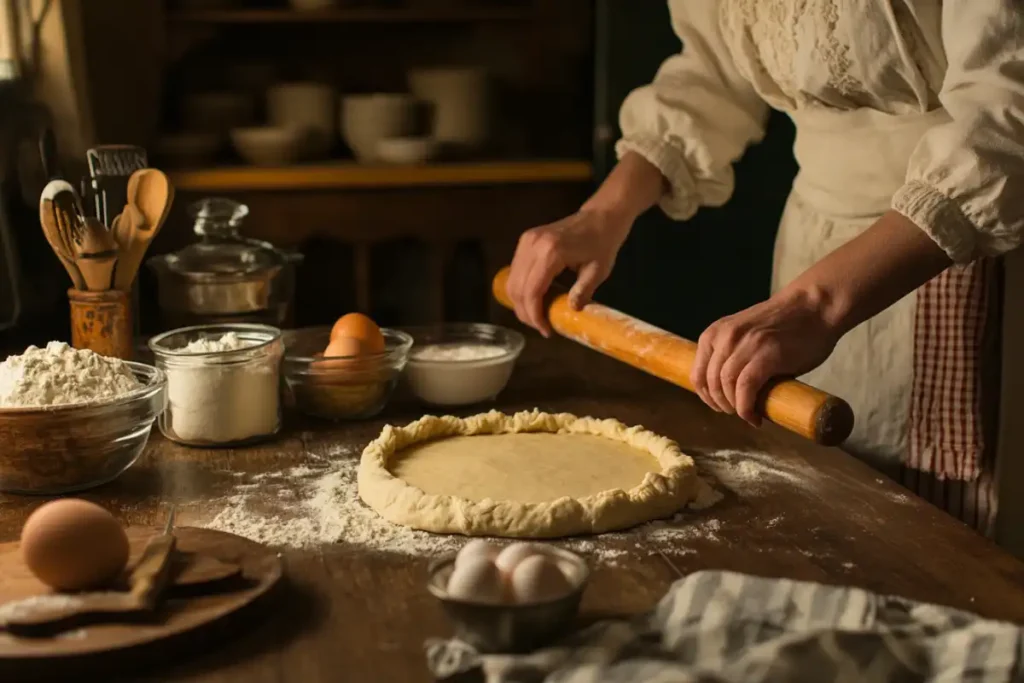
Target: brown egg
<point>342,354</point>
<point>72,545</point>
<point>358,326</point>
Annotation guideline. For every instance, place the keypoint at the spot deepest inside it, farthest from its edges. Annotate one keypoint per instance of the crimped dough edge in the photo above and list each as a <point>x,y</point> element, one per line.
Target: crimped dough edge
<point>659,495</point>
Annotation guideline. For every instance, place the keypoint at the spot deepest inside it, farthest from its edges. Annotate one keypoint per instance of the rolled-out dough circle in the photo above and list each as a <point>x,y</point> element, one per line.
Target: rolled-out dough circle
<point>528,475</point>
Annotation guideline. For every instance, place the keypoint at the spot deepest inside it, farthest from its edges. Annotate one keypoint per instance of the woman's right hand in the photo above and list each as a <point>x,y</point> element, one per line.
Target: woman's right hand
<point>587,242</point>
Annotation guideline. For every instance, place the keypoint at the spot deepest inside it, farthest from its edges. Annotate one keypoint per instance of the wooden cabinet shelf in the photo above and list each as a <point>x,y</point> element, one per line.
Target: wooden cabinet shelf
<point>353,15</point>
<point>343,175</point>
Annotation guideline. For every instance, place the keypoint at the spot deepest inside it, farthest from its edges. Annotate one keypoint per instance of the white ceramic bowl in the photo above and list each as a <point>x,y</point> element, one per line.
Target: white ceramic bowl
<point>268,145</point>
<point>188,149</point>
<point>217,112</point>
<point>406,150</point>
<point>368,119</point>
<point>454,381</point>
<point>459,97</point>
<point>308,106</point>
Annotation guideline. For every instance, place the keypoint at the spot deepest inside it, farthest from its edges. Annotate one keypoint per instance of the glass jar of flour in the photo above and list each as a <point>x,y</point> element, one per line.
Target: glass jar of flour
<point>223,383</point>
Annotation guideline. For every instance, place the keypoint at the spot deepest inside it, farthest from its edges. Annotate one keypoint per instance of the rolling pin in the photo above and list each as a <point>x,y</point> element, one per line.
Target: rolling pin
<point>793,405</point>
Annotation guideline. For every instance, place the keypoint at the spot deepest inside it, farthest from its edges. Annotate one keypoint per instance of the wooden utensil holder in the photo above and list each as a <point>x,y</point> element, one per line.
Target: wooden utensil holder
<point>102,322</point>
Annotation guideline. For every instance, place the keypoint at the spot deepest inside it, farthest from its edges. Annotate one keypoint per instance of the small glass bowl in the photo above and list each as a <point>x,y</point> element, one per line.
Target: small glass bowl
<point>343,387</point>
<point>221,398</point>
<point>460,382</point>
<point>63,449</point>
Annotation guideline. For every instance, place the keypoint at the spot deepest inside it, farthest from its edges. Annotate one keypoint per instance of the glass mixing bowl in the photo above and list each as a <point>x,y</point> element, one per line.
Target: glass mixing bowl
<point>343,387</point>
<point>63,449</point>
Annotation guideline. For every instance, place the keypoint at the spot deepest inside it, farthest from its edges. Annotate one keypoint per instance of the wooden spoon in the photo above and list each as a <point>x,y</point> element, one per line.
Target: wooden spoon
<point>96,254</point>
<point>126,224</point>
<point>151,192</point>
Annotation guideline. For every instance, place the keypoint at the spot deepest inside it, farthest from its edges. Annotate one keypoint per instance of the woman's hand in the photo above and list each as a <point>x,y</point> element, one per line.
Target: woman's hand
<point>587,242</point>
<point>787,335</point>
<point>796,330</point>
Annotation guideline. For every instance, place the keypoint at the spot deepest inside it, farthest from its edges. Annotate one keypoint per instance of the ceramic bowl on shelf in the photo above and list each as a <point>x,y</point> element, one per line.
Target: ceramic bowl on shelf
<point>62,449</point>
<point>406,150</point>
<point>309,106</point>
<point>268,145</point>
<point>312,5</point>
<point>217,111</point>
<point>188,148</point>
<point>368,119</point>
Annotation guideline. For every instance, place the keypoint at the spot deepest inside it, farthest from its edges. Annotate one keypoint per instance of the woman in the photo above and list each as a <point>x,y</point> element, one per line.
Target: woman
<point>910,140</point>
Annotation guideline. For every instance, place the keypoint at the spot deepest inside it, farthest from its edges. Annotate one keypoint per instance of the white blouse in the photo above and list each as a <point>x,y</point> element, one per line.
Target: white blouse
<point>965,179</point>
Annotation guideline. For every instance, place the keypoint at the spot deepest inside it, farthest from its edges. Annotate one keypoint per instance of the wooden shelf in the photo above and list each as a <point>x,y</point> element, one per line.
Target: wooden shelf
<point>355,15</point>
<point>351,175</point>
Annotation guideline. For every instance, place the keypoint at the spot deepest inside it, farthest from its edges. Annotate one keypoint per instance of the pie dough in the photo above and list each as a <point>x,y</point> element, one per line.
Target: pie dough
<point>528,475</point>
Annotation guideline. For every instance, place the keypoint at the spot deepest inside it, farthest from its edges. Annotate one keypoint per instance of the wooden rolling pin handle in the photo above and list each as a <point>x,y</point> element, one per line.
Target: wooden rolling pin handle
<point>800,408</point>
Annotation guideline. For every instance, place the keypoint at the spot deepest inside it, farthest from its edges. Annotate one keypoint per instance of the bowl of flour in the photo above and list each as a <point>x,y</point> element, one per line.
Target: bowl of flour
<point>71,419</point>
<point>223,383</point>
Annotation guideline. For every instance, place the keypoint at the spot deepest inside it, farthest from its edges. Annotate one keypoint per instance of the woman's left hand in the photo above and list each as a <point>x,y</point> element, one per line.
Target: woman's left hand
<point>787,335</point>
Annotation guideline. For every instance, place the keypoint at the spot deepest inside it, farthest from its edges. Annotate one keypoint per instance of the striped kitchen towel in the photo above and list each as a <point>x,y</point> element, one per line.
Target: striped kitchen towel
<point>716,626</point>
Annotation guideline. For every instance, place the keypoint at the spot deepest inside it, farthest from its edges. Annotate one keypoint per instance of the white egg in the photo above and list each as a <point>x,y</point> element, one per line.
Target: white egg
<point>538,579</point>
<point>476,548</point>
<point>510,556</point>
<point>477,580</point>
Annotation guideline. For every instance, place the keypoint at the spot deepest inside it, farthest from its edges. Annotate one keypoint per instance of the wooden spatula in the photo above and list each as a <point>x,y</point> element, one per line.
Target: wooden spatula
<point>147,581</point>
<point>800,408</point>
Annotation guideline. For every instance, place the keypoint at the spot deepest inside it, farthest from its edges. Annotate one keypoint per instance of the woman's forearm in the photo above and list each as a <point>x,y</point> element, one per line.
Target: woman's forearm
<point>870,273</point>
<point>632,187</point>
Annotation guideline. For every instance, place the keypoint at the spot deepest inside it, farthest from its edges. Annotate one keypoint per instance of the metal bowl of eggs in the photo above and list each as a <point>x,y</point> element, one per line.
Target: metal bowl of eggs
<point>347,372</point>
<point>509,600</point>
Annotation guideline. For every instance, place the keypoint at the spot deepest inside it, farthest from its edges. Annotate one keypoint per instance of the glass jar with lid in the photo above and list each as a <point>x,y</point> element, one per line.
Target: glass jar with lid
<point>224,277</point>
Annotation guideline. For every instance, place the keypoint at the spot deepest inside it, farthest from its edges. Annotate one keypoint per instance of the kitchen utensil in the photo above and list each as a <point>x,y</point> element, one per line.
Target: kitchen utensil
<point>516,627</point>
<point>51,230</point>
<point>102,649</point>
<point>147,581</point>
<point>149,198</point>
<point>102,322</point>
<point>224,277</point>
<point>801,409</point>
<point>110,167</point>
<point>96,254</point>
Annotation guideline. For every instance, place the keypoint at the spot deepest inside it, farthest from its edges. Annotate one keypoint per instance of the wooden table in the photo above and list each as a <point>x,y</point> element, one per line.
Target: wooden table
<point>347,614</point>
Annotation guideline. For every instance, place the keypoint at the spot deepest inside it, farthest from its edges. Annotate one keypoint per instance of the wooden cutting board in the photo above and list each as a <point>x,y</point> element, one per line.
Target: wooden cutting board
<point>261,570</point>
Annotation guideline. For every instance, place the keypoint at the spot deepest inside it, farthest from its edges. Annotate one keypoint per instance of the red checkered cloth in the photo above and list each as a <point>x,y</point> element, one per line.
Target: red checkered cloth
<point>947,423</point>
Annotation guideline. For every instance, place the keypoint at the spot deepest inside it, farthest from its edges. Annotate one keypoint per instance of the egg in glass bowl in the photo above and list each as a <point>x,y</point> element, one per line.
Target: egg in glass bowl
<point>344,378</point>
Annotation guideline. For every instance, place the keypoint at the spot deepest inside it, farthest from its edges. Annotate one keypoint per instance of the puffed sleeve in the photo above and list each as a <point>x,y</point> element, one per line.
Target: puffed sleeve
<point>965,180</point>
<point>697,117</point>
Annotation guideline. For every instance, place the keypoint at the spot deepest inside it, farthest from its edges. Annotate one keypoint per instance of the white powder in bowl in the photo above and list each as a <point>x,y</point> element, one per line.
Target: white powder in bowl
<point>458,374</point>
<point>219,397</point>
<point>61,375</point>
<point>457,352</point>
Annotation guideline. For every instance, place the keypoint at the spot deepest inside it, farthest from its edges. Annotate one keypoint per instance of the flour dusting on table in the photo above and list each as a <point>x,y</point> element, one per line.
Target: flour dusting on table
<point>310,507</point>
